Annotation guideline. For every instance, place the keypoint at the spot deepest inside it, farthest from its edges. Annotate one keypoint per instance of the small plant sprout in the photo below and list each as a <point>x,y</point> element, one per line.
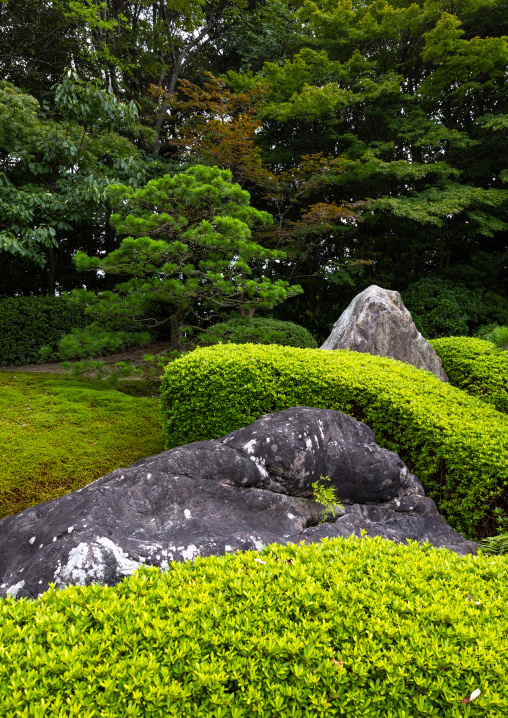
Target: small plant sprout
<point>326,495</point>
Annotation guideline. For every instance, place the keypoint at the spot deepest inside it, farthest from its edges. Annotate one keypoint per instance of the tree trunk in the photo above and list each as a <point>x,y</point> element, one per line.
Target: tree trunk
<point>51,270</point>
<point>187,52</point>
<point>176,323</point>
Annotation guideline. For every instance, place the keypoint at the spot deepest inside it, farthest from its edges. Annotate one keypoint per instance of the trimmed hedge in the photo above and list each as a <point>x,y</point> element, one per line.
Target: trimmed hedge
<point>29,323</point>
<point>258,331</point>
<point>456,444</point>
<point>472,365</point>
<point>349,628</point>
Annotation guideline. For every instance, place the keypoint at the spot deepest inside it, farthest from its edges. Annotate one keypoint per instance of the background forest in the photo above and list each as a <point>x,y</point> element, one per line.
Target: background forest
<point>374,133</point>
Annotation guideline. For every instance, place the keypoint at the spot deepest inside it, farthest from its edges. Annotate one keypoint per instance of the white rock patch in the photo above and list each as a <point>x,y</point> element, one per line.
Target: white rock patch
<point>125,565</point>
<point>249,446</point>
<point>84,563</point>
<point>190,552</point>
<point>257,543</point>
<point>260,463</point>
<point>14,590</point>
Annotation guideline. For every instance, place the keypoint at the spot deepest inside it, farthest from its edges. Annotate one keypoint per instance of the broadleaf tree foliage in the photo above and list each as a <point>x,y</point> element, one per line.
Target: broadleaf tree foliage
<point>55,165</point>
<point>375,133</point>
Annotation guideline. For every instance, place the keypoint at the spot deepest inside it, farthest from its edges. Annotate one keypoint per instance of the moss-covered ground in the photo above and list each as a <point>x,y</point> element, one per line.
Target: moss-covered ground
<point>59,434</point>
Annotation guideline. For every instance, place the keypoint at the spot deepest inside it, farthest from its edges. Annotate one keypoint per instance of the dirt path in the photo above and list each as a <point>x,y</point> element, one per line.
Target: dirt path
<point>136,354</point>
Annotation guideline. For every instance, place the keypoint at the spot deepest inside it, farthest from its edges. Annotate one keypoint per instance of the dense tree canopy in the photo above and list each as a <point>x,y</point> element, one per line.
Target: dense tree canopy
<point>189,248</point>
<point>56,164</point>
<point>375,133</point>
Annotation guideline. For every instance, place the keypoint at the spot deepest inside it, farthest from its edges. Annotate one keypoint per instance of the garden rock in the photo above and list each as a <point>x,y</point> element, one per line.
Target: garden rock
<point>250,488</point>
<point>377,322</point>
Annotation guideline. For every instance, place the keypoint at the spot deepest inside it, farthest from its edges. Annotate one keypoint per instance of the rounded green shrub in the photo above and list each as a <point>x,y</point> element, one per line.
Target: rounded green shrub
<point>474,366</point>
<point>258,331</point>
<point>441,308</point>
<point>454,442</point>
<point>348,628</point>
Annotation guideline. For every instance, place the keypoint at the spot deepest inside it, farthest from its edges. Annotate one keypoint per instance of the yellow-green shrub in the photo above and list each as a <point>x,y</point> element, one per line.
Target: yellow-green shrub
<point>349,628</point>
<point>472,365</point>
<point>454,442</point>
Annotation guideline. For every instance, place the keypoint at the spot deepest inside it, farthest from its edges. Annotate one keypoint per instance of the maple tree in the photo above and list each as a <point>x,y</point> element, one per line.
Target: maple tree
<point>218,126</point>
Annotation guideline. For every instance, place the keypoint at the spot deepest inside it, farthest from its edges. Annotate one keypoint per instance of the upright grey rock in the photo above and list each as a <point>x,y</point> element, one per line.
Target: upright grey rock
<point>377,322</point>
<point>251,488</point>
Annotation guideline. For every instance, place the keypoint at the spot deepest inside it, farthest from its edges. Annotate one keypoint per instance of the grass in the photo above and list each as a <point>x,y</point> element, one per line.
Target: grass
<point>59,434</point>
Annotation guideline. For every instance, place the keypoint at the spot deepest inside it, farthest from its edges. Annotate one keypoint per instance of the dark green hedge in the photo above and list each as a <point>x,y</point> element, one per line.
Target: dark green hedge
<point>29,323</point>
<point>457,444</point>
<point>474,366</point>
<point>441,308</point>
<point>349,628</point>
<point>258,331</point>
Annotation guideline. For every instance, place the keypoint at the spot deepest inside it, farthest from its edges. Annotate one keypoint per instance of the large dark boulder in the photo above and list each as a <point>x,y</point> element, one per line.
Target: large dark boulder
<point>250,488</point>
<point>378,323</point>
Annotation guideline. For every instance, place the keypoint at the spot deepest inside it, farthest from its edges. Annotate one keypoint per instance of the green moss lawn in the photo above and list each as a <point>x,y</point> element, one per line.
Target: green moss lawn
<point>59,434</point>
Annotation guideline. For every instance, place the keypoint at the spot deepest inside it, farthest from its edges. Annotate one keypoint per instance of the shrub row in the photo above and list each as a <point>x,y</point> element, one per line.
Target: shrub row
<point>258,331</point>
<point>29,323</point>
<point>356,628</point>
<point>474,366</point>
<point>454,442</point>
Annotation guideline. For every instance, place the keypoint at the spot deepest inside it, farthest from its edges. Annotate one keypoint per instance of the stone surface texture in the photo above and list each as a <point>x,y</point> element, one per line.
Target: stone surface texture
<point>250,488</point>
<point>377,322</point>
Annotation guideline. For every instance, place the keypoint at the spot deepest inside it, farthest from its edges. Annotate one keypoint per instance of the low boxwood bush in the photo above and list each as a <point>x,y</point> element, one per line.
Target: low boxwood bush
<point>258,331</point>
<point>454,442</point>
<point>349,628</point>
<point>95,342</point>
<point>29,323</point>
<point>475,366</point>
